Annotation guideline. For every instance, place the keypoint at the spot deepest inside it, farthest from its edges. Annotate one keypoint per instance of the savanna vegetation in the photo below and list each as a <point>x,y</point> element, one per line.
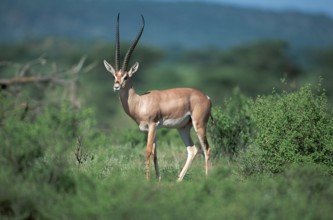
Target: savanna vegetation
<point>67,151</point>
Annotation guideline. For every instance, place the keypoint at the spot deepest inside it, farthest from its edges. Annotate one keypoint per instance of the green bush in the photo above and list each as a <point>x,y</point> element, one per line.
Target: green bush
<point>274,131</point>
<point>35,145</point>
<point>231,128</point>
<point>293,127</point>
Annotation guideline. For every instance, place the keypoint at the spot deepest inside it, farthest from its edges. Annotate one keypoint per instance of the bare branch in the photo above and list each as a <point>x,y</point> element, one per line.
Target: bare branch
<point>79,155</point>
<point>24,80</point>
<point>28,74</point>
<point>76,69</point>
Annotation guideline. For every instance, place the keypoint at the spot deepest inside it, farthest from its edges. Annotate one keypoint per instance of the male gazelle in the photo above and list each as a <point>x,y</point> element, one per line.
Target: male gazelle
<point>179,108</point>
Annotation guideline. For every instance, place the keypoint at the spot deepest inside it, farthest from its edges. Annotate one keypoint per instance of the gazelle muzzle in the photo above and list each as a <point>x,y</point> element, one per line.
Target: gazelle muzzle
<point>116,86</point>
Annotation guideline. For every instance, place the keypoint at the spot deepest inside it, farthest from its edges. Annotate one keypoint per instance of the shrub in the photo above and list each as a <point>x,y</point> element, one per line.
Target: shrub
<point>293,127</point>
<point>34,148</point>
<point>231,128</point>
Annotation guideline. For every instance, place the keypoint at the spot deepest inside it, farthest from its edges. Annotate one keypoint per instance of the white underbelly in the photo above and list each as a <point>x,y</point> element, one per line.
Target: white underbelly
<point>175,122</point>
<point>168,122</point>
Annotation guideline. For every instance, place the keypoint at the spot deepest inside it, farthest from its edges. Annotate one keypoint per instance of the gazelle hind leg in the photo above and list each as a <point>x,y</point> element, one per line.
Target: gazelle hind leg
<point>201,133</point>
<point>185,134</point>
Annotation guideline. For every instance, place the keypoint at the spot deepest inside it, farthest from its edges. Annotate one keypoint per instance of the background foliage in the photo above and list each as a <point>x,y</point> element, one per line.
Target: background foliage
<point>256,68</point>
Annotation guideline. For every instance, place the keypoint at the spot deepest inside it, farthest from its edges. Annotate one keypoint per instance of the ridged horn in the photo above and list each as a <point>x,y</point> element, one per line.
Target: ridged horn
<point>131,49</point>
<point>117,53</point>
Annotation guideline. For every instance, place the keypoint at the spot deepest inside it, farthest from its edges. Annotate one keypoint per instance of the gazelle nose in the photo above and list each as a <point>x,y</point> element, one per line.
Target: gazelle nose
<point>116,86</point>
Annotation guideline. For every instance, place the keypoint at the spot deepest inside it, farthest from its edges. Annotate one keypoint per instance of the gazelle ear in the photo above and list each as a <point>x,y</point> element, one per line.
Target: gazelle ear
<point>109,68</point>
<point>133,69</point>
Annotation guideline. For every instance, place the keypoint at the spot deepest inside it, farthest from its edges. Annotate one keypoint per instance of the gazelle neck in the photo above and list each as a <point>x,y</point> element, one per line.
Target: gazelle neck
<point>128,98</point>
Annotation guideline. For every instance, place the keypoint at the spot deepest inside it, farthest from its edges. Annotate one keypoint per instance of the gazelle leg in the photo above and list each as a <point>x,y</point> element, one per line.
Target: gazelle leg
<point>201,133</point>
<point>154,152</point>
<point>185,134</point>
<point>150,148</point>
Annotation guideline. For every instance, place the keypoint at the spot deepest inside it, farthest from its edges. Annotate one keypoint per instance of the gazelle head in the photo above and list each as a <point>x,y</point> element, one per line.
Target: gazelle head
<point>123,74</point>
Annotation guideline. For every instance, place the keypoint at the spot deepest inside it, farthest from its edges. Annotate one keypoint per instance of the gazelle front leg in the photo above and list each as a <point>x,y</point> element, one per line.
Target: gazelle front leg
<point>154,152</point>
<point>151,149</point>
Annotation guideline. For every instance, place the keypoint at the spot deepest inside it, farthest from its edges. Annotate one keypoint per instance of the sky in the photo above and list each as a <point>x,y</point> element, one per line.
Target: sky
<point>310,6</point>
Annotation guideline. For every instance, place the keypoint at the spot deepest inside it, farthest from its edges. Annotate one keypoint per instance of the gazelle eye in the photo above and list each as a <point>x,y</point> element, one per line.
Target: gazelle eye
<point>125,78</point>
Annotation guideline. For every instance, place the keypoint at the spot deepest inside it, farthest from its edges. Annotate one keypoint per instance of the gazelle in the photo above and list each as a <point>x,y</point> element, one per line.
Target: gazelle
<point>181,108</point>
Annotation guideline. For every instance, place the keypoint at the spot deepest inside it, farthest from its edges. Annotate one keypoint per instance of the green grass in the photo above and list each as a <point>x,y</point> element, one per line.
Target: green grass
<point>110,184</point>
<point>113,186</point>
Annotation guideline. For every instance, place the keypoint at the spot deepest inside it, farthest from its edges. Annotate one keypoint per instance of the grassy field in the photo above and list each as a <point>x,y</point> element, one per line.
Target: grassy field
<point>112,186</point>
<point>117,189</point>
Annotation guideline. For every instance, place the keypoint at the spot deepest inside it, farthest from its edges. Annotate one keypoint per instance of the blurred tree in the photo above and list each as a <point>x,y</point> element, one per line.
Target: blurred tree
<point>203,57</point>
<point>268,57</point>
<point>324,58</point>
<point>323,67</point>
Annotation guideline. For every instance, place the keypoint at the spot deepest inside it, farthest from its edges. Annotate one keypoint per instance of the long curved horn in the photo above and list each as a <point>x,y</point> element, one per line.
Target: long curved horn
<point>131,49</point>
<point>117,54</point>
